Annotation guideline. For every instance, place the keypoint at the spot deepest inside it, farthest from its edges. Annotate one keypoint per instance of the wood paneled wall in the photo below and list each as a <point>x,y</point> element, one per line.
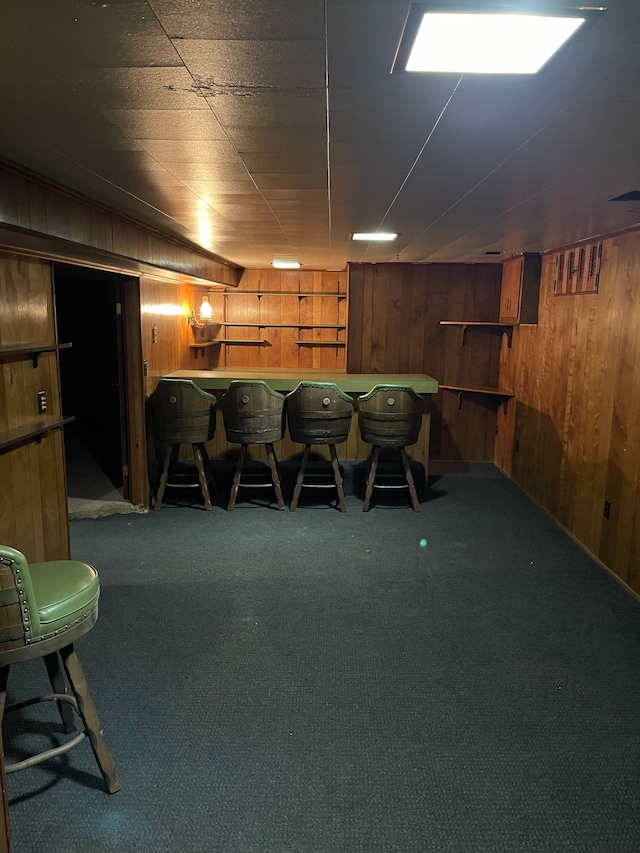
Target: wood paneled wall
<point>77,224</point>
<point>283,312</point>
<point>394,326</point>
<point>576,421</point>
<point>33,499</point>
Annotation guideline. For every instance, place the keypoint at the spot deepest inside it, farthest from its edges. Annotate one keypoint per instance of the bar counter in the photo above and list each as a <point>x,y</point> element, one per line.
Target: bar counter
<point>284,380</point>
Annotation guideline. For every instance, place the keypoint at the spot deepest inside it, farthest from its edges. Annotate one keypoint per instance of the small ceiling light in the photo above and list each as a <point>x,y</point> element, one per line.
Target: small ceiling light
<point>286,265</point>
<point>474,40</point>
<point>373,236</point>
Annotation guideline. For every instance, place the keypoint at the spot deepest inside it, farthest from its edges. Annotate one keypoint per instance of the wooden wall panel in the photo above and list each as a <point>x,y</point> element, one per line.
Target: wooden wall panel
<point>33,501</point>
<point>576,376</point>
<point>29,201</point>
<point>278,315</point>
<point>395,312</point>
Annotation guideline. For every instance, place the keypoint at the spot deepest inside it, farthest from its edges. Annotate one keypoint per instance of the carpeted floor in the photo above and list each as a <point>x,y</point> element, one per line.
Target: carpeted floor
<point>463,680</point>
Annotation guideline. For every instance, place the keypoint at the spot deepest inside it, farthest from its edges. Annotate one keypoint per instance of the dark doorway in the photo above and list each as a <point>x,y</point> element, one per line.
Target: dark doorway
<point>91,379</point>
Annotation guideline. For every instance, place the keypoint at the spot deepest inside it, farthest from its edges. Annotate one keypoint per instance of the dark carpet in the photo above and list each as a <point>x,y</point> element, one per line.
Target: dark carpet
<point>463,680</point>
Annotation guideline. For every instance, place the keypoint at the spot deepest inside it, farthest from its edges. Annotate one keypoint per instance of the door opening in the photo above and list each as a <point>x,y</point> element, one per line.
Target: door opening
<point>92,382</point>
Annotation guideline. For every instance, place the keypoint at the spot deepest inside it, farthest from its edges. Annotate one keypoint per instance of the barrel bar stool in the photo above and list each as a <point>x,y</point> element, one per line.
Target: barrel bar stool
<point>390,416</point>
<point>44,609</point>
<point>253,413</point>
<point>182,413</point>
<point>318,413</point>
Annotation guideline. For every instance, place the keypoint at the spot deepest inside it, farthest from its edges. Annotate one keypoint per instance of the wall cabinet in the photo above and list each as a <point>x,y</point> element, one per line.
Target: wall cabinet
<point>520,290</point>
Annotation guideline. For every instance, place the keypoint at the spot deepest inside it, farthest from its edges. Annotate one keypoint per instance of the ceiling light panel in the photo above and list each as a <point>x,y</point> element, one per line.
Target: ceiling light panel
<point>483,39</point>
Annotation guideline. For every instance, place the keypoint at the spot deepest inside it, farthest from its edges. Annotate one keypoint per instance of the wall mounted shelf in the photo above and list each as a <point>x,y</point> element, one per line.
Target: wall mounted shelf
<point>320,343</point>
<point>259,342</point>
<point>299,294</point>
<point>283,325</point>
<point>27,432</point>
<point>35,349</point>
<point>505,328</point>
<point>501,393</point>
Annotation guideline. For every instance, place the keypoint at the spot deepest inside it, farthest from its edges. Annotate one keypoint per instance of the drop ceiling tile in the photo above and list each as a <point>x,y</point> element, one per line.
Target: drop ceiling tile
<point>228,190</point>
<point>285,161</point>
<point>193,125</point>
<point>139,88</point>
<point>249,139</point>
<point>209,151</point>
<point>281,181</point>
<point>228,173</point>
<point>247,68</point>
<point>239,213</point>
<point>271,110</point>
<point>240,19</point>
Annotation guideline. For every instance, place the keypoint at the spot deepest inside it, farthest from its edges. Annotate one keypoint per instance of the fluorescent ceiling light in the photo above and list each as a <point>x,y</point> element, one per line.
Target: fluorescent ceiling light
<point>483,42</point>
<point>286,265</point>
<point>373,236</point>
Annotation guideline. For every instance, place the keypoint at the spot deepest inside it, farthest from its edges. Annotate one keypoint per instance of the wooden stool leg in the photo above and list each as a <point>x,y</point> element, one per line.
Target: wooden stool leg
<point>299,478</point>
<point>90,718</point>
<point>373,467</point>
<point>208,468</point>
<point>4,675</point>
<point>409,478</point>
<point>275,476</point>
<point>197,455</point>
<point>337,477</point>
<point>170,459</point>
<point>59,685</point>
<point>236,477</point>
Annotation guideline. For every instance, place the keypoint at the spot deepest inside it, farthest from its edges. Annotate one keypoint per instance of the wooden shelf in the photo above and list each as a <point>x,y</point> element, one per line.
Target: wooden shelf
<point>27,432</point>
<point>501,393</point>
<point>320,343</point>
<point>256,342</point>
<point>505,328</point>
<point>35,349</point>
<point>282,325</point>
<point>299,294</point>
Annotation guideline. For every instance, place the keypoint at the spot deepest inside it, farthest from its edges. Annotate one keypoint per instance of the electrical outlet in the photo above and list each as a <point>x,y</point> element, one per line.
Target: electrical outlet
<point>607,509</point>
<point>42,402</point>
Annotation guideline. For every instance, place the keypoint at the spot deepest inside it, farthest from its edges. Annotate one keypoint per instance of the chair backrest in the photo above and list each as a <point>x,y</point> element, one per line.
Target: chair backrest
<point>19,618</point>
<point>182,413</point>
<point>253,413</point>
<point>318,413</point>
<point>390,416</point>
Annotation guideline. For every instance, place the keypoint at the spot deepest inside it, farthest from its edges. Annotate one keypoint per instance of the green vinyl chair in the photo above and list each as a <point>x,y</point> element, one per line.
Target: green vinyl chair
<point>44,609</point>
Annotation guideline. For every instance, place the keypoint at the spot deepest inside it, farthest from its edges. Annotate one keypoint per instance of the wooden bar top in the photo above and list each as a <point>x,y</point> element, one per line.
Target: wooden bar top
<point>284,380</point>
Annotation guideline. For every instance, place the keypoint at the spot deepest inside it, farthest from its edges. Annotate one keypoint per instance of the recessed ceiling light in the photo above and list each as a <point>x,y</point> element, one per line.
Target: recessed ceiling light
<point>474,40</point>
<point>286,265</point>
<point>373,236</point>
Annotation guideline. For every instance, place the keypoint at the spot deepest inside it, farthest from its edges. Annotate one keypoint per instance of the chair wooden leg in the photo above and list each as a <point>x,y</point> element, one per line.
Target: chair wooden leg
<point>409,478</point>
<point>4,675</point>
<point>59,685</point>
<point>373,468</point>
<point>208,468</point>
<point>170,459</point>
<point>337,477</point>
<point>236,477</point>
<point>303,465</point>
<point>89,715</point>
<point>202,477</point>
<point>275,476</point>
